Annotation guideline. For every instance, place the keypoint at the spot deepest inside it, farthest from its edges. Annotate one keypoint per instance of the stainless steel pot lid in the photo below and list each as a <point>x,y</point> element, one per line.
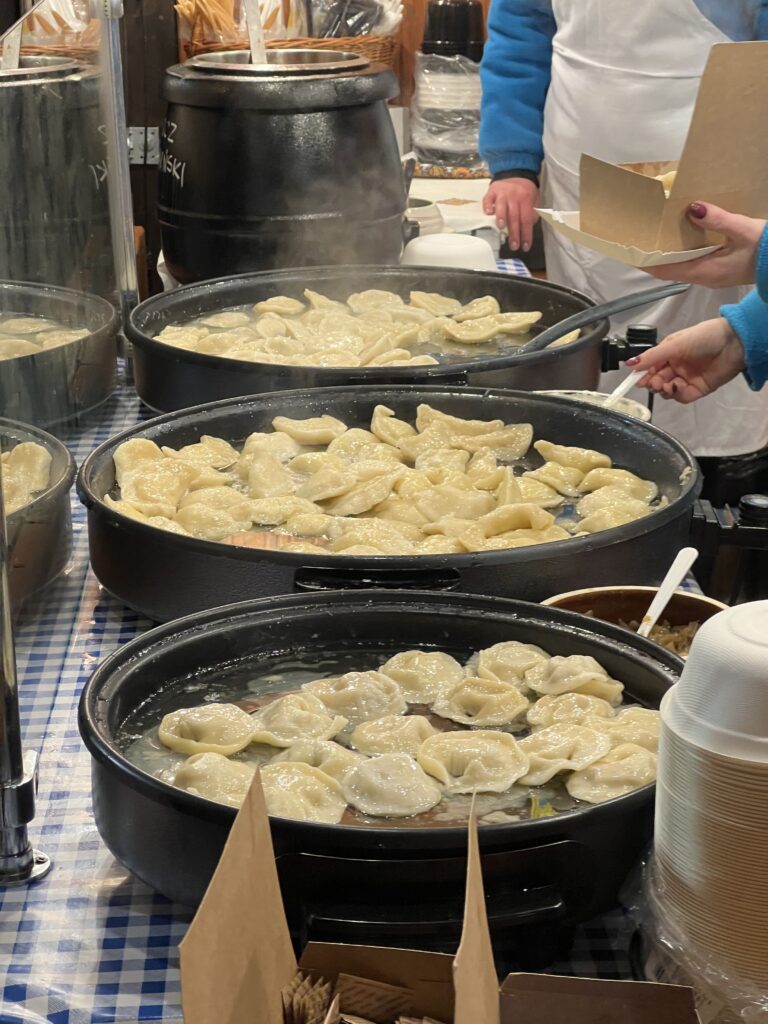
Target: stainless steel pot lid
<point>279,62</point>
<point>38,67</point>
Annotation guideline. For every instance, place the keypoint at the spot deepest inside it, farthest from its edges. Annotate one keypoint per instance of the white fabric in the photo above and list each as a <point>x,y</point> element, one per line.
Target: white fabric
<point>624,79</point>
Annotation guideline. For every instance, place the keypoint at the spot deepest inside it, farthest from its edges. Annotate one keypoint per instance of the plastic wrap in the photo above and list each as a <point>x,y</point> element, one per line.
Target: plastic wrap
<point>445,113</point>
<point>670,956</point>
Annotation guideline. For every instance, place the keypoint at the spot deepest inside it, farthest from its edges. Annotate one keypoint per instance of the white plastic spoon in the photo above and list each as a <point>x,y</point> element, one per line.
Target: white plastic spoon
<point>626,385</point>
<point>675,576</point>
<point>255,31</point>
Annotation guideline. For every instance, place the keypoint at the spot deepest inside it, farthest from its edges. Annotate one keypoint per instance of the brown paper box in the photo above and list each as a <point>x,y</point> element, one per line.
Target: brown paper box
<point>624,212</point>
<point>237,957</point>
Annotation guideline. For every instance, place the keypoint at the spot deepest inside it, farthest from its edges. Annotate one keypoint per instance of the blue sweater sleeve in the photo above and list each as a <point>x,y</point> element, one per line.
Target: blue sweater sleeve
<point>749,319</point>
<point>515,76</point>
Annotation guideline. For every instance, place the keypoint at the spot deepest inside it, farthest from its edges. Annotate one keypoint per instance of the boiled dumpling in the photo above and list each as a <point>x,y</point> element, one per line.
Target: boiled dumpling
<point>481,702</point>
<point>446,500</point>
<point>619,514</point>
<point>158,489</point>
<point>630,725</point>
<point>511,442</point>
<point>12,348</point>
<point>313,430</point>
<point>427,418</point>
<point>295,717</point>
<point>209,451</point>
<point>583,459</point>
<point>508,662</point>
<point>215,777</point>
<point>329,757</point>
<point>388,428</point>
<point>275,443</point>
<point>568,709</point>
<point>578,673</point>
<point>273,511</point>
<point>486,305</point>
<point>561,748</point>
<point>267,477</point>
<point>563,479</point>
<point>535,492</point>
<point>230,318</point>
<point>645,490</point>
<point>373,298</point>
<point>24,325</point>
<point>481,760</point>
<point>358,696</point>
<point>282,305</point>
<point>514,517</point>
<point>606,498</point>
<point>437,305</point>
<point>215,524</point>
<point>623,769</point>
<point>393,734</point>
<point>364,496</point>
<point>26,471</point>
<point>392,786</point>
<point>423,675</point>
<point>299,791</point>
<point>135,456</point>
<point>209,728</point>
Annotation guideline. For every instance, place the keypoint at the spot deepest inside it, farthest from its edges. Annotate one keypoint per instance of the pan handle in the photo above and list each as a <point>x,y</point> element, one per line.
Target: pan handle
<point>361,579</point>
<point>602,312</point>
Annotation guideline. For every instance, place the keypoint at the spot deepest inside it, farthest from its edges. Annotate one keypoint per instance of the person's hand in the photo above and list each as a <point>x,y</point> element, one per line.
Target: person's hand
<point>513,202</point>
<point>732,265</point>
<point>692,363</point>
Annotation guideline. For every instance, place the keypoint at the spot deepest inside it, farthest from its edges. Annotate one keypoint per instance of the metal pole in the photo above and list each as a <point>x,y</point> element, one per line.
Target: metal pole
<point>109,13</point>
<point>19,863</point>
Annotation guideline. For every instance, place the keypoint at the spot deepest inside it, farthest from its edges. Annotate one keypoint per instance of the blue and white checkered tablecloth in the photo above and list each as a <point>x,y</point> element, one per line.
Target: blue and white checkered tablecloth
<point>90,944</point>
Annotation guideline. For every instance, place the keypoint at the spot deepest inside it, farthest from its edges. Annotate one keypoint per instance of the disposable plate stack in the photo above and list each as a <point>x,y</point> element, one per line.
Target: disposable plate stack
<point>710,886</point>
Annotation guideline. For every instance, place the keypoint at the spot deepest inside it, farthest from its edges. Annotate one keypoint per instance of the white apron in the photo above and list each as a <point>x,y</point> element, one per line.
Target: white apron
<point>624,79</point>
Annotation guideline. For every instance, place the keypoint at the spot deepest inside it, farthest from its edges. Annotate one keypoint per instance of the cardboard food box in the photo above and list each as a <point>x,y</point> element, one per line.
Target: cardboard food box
<point>238,964</point>
<point>625,212</point>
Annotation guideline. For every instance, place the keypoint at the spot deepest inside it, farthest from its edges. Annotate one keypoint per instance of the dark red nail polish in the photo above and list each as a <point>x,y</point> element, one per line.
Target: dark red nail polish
<point>698,210</point>
<point>674,389</point>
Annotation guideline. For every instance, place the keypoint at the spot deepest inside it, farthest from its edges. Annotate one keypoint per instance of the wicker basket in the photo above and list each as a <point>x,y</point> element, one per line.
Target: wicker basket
<point>382,49</point>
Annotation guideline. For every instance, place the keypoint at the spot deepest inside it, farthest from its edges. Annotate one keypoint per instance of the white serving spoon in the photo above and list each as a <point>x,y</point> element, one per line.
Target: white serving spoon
<point>255,31</point>
<point>675,576</point>
<point>626,385</point>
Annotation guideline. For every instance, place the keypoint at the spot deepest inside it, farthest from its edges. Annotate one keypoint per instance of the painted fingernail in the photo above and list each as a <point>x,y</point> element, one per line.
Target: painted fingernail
<point>698,210</point>
<point>674,389</point>
<point>633,361</point>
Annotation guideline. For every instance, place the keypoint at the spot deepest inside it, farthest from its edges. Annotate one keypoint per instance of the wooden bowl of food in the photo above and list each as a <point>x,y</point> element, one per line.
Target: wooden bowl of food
<point>626,606</point>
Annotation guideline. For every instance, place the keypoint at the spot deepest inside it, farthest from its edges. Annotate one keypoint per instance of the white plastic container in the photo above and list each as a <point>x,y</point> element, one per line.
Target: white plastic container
<point>464,252</point>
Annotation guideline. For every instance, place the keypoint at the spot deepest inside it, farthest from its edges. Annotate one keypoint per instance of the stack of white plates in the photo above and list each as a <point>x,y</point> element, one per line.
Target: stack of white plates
<point>436,91</point>
<point>711,843</point>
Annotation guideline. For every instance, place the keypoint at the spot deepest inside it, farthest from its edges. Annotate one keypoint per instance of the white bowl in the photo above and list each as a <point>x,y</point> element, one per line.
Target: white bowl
<point>464,252</point>
<point>626,405</point>
<point>427,215</point>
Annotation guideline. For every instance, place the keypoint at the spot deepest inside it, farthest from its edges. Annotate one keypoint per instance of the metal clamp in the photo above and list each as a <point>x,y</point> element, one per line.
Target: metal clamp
<point>617,350</point>
<point>144,146</point>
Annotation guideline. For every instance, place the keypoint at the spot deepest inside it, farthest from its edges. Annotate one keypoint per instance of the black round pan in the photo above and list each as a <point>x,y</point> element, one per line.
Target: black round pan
<point>169,378</point>
<point>165,575</point>
<point>381,886</point>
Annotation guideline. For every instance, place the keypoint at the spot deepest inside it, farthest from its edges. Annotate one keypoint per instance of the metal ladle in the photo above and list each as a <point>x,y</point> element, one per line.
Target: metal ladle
<point>19,862</point>
<point>602,312</point>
